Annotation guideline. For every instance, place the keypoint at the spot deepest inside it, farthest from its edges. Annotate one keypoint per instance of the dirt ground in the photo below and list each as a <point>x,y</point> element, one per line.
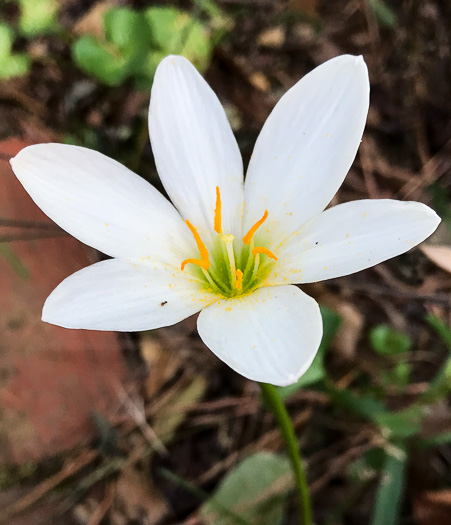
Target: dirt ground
<point>128,429</point>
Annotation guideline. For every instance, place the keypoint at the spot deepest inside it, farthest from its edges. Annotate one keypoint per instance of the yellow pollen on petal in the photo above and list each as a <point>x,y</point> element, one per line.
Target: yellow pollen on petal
<point>248,237</point>
<point>239,279</point>
<point>204,262</point>
<point>218,209</point>
<point>262,249</point>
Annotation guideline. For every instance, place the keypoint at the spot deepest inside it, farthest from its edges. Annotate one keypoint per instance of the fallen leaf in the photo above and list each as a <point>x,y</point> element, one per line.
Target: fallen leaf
<point>255,491</point>
<point>139,499</point>
<point>433,508</point>
<point>273,37</point>
<point>439,255</point>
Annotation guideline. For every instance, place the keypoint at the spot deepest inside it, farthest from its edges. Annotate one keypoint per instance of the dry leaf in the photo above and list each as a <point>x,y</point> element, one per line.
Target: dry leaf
<point>433,508</point>
<point>92,22</point>
<point>306,7</point>
<point>260,81</point>
<point>273,37</point>
<point>439,255</point>
<point>138,499</point>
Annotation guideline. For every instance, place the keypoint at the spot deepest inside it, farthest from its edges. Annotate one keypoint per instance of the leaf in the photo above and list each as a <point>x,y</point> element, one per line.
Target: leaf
<point>316,372</point>
<point>38,17</point>
<point>443,330</point>
<point>435,441</point>
<point>439,255</point>
<point>401,424</point>
<point>365,406</point>
<point>176,32</point>
<point>128,30</point>
<point>440,386</point>
<point>11,64</point>
<point>91,56</point>
<point>6,40</point>
<point>391,487</point>
<point>256,490</point>
<point>165,422</point>
<point>388,342</point>
<point>14,260</point>
<point>383,13</point>
<point>399,376</point>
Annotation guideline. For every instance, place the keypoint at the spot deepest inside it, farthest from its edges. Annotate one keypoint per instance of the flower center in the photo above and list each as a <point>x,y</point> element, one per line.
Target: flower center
<point>234,267</point>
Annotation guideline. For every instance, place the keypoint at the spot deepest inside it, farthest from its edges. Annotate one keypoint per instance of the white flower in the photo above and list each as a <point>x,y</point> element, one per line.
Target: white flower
<point>229,249</point>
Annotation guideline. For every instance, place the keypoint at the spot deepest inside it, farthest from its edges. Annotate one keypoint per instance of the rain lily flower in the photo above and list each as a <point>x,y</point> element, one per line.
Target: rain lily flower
<point>230,249</point>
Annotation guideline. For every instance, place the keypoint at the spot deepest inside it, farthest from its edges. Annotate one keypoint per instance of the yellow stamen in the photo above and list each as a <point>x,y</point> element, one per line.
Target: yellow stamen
<point>239,279</point>
<point>262,249</point>
<point>250,234</point>
<point>204,262</point>
<point>218,217</point>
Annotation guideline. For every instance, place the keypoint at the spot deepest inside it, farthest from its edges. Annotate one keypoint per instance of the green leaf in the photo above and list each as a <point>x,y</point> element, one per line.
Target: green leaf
<point>38,17</point>
<point>443,330</point>
<point>436,441</point>
<point>11,64</point>
<point>365,406</point>
<point>402,424</point>
<point>14,66</point>
<point>316,372</point>
<point>367,465</point>
<point>383,13</point>
<point>176,32</point>
<point>255,490</point>
<point>399,376</point>
<point>388,342</point>
<point>91,56</point>
<point>6,40</point>
<point>128,30</point>
<point>391,487</point>
<point>440,386</point>
<point>18,266</point>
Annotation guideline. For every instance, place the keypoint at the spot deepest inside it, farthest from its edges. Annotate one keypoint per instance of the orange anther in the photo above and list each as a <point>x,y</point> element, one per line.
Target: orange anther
<point>204,262</point>
<point>239,279</point>
<point>199,262</point>
<point>248,237</point>
<point>261,249</point>
<point>218,217</point>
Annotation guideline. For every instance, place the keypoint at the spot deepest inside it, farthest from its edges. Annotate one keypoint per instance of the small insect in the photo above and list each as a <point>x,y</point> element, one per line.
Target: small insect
<point>163,303</point>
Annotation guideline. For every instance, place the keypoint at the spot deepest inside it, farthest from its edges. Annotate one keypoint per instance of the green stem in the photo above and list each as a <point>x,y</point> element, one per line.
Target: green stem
<point>275,403</point>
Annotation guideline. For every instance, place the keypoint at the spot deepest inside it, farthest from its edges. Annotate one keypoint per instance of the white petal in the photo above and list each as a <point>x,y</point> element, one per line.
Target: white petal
<point>101,202</point>
<point>307,146</point>
<point>270,335</point>
<point>351,237</point>
<point>125,295</point>
<point>194,147</point>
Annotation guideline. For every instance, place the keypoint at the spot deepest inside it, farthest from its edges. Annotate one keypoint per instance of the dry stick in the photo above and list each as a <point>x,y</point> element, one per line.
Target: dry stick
<point>104,506</point>
<point>338,465</point>
<point>429,171</point>
<point>374,289</point>
<point>19,223</point>
<point>271,440</point>
<point>30,236</point>
<point>49,484</point>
